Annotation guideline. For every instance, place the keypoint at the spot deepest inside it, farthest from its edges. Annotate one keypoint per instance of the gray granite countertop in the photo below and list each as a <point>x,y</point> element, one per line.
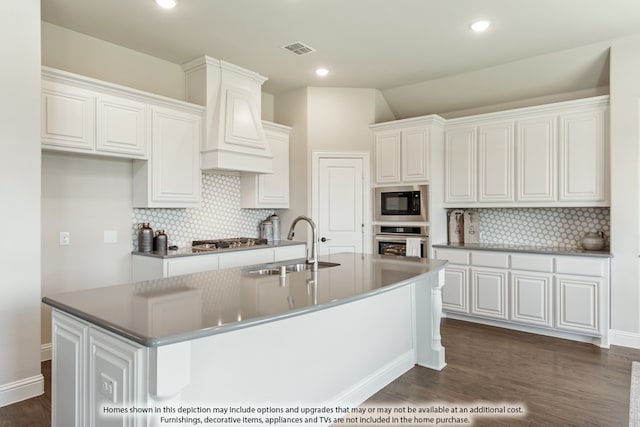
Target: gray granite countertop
<point>534,249</point>
<point>187,250</point>
<point>181,308</point>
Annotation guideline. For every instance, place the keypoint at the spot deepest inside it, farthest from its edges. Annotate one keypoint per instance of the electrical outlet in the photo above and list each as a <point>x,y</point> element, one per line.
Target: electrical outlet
<point>65,238</point>
<point>108,387</point>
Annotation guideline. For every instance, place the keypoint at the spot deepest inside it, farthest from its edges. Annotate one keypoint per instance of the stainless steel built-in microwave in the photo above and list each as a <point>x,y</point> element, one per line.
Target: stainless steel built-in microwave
<point>404,204</point>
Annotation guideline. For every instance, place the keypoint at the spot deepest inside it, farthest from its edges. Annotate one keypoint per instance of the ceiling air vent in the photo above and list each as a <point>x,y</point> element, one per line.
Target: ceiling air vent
<point>298,48</point>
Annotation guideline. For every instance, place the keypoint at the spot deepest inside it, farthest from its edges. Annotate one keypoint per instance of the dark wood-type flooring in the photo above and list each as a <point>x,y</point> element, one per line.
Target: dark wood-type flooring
<point>560,382</point>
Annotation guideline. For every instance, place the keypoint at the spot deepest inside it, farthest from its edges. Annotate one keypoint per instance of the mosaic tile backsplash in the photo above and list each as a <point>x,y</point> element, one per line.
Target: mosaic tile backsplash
<point>219,217</point>
<point>542,226</point>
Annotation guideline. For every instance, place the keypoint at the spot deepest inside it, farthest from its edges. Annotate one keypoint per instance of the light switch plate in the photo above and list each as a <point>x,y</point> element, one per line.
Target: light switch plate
<point>65,238</point>
<point>108,387</point>
<point>110,236</point>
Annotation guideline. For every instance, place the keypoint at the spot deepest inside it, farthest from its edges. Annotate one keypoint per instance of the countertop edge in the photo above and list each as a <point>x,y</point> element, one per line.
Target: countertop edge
<point>151,342</point>
<point>543,250</point>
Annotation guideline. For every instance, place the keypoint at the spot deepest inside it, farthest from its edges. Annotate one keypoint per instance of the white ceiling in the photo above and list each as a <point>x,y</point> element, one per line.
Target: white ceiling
<point>420,53</point>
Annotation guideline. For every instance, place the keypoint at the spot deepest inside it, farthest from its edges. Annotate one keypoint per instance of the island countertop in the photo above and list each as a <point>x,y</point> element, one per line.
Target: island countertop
<point>531,249</point>
<point>175,309</point>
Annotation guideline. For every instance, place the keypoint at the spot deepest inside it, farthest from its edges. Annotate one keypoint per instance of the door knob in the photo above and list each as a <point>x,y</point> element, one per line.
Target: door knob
<point>324,239</point>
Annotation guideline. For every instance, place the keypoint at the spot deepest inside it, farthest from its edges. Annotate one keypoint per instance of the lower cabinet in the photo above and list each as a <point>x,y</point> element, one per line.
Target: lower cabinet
<point>489,293</point>
<point>92,369</point>
<point>562,294</point>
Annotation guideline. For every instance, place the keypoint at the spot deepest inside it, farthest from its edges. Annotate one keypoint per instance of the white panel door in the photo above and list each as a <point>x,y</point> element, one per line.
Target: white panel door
<point>460,165</point>
<point>121,126</point>
<point>415,155</point>
<point>340,204</point>
<point>387,152</point>
<point>489,293</point>
<point>583,157</point>
<point>531,298</point>
<point>536,160</point>
<point>495,158</point>
<point>577,303</point>
<point>455,292</point>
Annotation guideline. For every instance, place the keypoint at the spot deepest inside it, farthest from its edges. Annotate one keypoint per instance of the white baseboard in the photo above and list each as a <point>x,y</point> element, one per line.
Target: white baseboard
<point>375,382</point>
<point>21,390</point>
<point>624,338</point>
<point>45,352</point>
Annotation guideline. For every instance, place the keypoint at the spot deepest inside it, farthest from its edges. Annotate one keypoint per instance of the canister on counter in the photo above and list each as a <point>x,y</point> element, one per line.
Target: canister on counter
<point>160,242</point>
<point>145,237</point>
<point>266,230</point>
<point>275,220</point>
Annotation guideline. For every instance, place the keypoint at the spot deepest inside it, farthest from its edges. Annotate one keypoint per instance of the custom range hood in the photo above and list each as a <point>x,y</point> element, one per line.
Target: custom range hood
<point>234,138</point>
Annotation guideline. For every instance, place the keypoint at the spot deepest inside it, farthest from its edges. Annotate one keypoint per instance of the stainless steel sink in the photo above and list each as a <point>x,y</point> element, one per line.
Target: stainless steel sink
<point>301,266</point>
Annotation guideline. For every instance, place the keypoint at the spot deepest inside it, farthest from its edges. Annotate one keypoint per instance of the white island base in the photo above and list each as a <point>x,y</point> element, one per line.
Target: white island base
<point>336,356</point>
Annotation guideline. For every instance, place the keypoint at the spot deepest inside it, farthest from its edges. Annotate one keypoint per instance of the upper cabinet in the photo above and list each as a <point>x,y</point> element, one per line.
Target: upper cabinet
<point>551,155</point>
<point>235,139</point>
<point>271,190</point>
<point>162,135</point>
<point>87,121</point>
<point>403,150</point>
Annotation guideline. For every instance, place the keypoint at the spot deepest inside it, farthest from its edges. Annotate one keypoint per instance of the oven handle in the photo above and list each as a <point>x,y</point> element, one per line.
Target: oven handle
<point>394,238</point>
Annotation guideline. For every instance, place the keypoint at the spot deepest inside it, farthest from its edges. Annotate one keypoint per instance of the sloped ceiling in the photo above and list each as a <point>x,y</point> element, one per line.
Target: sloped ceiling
<point>419,53</point>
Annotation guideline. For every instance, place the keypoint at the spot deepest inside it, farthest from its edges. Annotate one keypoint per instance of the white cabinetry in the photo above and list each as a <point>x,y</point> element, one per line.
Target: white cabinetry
<point>171,179</point>
<point>235,139</point>
<point>558,295</point>
<point>583,156</point>
<point>81,120</point>
<point>460,165</point>
<point>90,369</point>
<point>536,172</point>
<point>265,191</point>
<point>146,267</point>
<point>403,149</point>
<point>550,155</point>
<point>161,135</point>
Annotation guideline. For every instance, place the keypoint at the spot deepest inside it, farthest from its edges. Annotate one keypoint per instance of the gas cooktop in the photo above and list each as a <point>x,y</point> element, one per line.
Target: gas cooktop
<point>237,242</point>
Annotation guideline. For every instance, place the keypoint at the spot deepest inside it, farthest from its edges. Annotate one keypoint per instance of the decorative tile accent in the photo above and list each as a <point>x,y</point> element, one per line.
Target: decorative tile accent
<point>219,217</point>
<point>542,226</point>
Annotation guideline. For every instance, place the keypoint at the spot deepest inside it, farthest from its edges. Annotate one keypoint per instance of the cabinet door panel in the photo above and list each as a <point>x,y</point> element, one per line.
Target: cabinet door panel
<point>489,293</point>
<point>175,157</point>
<point>531,298</point>
<point>582,157</point>
<point>577,303</point>
<point>121,126</point>
<point>455,292</point>
<point>460,165</point>
<point>495,151</point>
<point>68,371</point>
<point>415,155</point>
<point>536,160</point>
<point>68,117</point>
<point>387,146</point>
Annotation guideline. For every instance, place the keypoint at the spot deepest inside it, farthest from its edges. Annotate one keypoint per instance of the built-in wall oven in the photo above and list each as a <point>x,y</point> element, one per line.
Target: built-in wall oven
<point>401,240</point>
<point>401,204</point>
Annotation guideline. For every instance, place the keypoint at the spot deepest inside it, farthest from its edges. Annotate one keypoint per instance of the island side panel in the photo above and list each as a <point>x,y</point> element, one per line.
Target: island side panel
<point>428,312</point>
<point>338,356</point>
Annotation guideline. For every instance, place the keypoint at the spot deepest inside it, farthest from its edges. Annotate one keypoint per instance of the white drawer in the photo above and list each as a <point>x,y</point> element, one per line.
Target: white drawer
<point>531,262</point>
<point>454,256</point>
<point>490,259</point>
<point>582,266</point>
<point>191,264</point>
<point>290,252</point>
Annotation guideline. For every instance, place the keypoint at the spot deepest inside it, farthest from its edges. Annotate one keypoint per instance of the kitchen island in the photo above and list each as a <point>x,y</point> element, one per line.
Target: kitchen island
<point>261,335</point>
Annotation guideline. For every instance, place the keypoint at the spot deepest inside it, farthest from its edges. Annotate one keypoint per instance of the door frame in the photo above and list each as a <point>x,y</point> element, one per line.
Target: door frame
<point>365,156</point>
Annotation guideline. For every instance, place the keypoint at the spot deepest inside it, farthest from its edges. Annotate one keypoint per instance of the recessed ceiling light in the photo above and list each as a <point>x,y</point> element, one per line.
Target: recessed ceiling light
<point>480,26</point>
<point>166,4</point>
<point>321,72</point>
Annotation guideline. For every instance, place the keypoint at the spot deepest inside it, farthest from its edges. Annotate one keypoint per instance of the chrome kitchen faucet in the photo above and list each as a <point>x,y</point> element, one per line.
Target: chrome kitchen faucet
<point>313,258</point>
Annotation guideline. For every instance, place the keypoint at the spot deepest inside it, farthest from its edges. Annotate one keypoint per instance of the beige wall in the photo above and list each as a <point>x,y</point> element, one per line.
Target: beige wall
<point>85,196</point>
<point>81,54</point>
<point>20,376</point>
<point>625,162</point>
